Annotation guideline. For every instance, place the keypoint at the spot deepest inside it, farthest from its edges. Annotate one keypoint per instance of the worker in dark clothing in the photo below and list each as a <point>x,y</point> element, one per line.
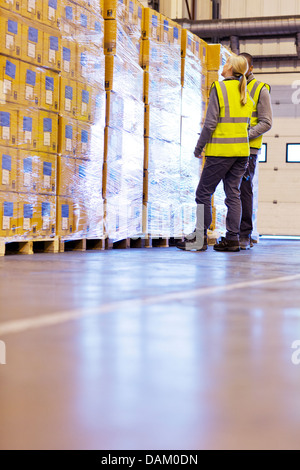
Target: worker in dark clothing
<point>261,122</point>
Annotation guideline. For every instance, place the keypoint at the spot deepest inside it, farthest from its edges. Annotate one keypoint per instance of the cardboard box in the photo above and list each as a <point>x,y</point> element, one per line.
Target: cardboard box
<point>80,218</point>
<point>28,171</point>
<point>115,9</point>
<point>135,12</point>
<point>30,85</point>
<point>8,169</point>
<point>51,13</point>
<point>96,33</point>
<point>52,49</point>
<point>67,139</point>
<point>152,25</point>
<point>28,216</point>
<point>66,176</point>
<point>8,215</point>
<point>48,132</point>
<point>32,9</point>
<point>187,43</point>
<point>68,97</point>
<point>84,140</point>
<point>213,56</point>
<point>46,216</point>
<point>11,5</point>
<point>9,79</point>
<point>47,166</point>
<point>64,217</point>
<point>68,18</point>
<point>32,45</point>
<point>90,64</point>
<point>98,110</point>
<point>50,90</point>
<point>84,102</point>
<point>69,58</point>
<point>28,129</point>
<point>11,34</point>
<point>8,125</point>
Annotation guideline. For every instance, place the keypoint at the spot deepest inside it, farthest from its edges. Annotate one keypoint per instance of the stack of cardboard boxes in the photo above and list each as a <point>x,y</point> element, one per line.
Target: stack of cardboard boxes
<point>82,120</point>
<point>124,140</point>
<point>194,101</point>
<point>30,59</point>
<point>162,96</point>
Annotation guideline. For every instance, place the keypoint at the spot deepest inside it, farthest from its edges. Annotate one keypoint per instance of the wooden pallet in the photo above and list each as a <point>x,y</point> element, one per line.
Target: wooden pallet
<point>81,244</point>
<point>29,247</point>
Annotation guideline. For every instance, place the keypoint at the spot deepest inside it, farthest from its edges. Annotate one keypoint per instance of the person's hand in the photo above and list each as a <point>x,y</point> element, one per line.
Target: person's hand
<point>199,154</point>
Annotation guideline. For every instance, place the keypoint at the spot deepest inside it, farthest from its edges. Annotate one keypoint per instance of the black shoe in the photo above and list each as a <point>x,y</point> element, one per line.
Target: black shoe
<point>245,243</point>
<point>227,245</point>
<point>192,243</point>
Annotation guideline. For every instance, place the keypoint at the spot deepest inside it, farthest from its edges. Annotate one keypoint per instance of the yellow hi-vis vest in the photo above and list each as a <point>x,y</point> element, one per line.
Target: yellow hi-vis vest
<point>254,88</point>
<point>230,138</point>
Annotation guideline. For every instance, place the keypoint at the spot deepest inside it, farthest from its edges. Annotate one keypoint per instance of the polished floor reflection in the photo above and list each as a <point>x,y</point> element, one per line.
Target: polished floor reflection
<point>151,349</point>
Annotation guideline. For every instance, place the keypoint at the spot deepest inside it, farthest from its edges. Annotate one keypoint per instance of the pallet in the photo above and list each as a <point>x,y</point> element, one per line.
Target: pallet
<point>29,247</point>
<point>81,244</point>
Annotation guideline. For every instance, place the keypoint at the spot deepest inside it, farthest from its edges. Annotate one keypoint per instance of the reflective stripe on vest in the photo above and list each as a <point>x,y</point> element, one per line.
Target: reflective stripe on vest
<point>254,88</point>
<point>230,138</point>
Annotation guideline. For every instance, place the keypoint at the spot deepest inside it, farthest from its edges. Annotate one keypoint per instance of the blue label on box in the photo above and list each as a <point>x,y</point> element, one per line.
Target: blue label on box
<point>140,12</point>
<point>166,58</point>
<point>189,40</point>
<point>154,53</point>
<point>12,27</point>
<point>6,162</point>
<point>69,92</point>
<point>197,46</point>
<point>97,64</point>
<point>54,43</point>
<point>28,211</point>
<point>8,209</point>
<point>47,168</point>
<point>97,27</point>
<point>131,7</point>
<point>49,83</point>
<point>69,13</point>
<point>66,54</point>
<point>30,77</point>
<point>154,20</point>
<point>176,33</point>
<point>46,209</point>
<point>69,132</point>
<point>27,165</point>
<point>47,125</point>
<point>10,69</point>
<point>166,25</point>
<point>85,96</point>
<point>83,20</point>
<point>81,171</point>
<point>98,101</point>
<point>83,59</point>
<point>33,35</point>
<point>27,124</point>
<point>52,4</point>
<point>4,119</point>
<point>84,136</point>
<point>65,211</point>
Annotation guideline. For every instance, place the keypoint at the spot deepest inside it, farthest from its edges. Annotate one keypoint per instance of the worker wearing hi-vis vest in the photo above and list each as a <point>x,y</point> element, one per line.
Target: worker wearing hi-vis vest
<point>261,122</point>
<point>225,138</point>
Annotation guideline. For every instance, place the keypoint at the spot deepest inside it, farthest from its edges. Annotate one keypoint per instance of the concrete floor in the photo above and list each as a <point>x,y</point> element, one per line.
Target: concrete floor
<point>151,349</point>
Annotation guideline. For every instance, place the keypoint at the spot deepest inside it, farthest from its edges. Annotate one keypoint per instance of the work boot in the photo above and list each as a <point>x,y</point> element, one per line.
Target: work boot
<point>193,243</point>
<point>245,243</point>
<point>227,245</point>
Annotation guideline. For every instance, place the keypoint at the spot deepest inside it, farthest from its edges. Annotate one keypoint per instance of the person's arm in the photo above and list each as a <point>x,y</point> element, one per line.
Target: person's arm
<point>210,123</point>
<point>264,113</point>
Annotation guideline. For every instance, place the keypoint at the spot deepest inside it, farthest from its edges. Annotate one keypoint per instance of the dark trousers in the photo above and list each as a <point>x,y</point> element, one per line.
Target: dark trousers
<point>247,198</point>
<point>231,171</point>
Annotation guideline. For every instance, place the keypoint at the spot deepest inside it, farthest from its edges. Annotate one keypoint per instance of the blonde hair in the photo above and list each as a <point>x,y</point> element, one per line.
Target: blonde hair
<point>239,69</point>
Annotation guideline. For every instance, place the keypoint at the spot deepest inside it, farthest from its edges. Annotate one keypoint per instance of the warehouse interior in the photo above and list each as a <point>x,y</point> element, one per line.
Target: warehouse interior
<point>110,337</point>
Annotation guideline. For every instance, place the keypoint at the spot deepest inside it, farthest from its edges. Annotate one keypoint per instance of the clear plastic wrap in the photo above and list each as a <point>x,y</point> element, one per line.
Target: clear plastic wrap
<point>52,119</point>
<point>193,112</point>
<point>124,133</point>
<point>162,92</point>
